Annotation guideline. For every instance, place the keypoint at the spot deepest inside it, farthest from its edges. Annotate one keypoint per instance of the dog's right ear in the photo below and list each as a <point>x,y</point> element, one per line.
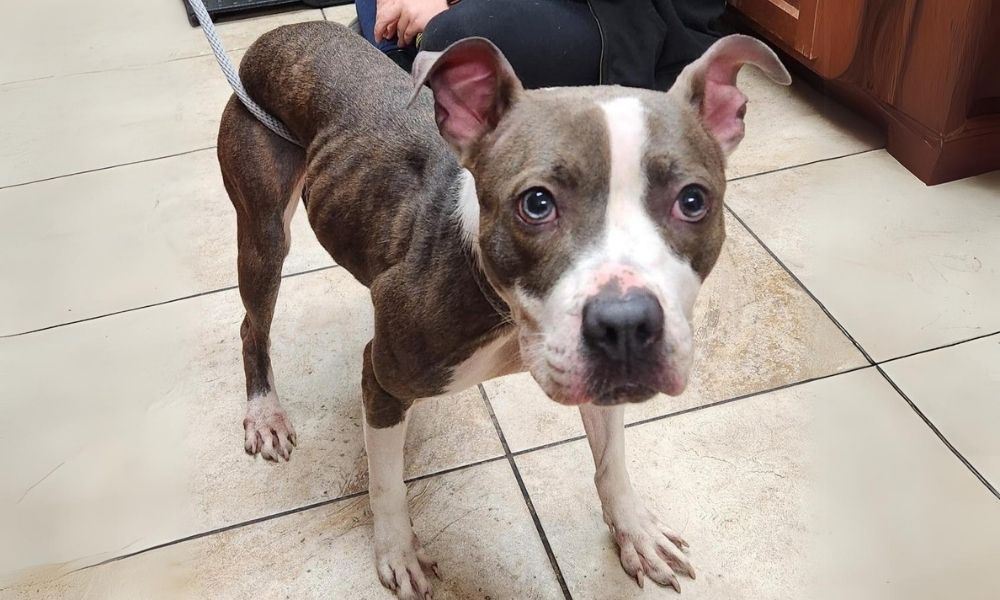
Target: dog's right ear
<point>473,87</point>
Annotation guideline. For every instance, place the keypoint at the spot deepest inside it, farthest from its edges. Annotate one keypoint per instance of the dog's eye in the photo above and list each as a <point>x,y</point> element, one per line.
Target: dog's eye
<point>537,206</point>
<point>691,204</point>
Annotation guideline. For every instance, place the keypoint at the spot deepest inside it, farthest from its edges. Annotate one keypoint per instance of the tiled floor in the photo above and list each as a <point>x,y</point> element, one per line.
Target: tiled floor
<point>839,438</point>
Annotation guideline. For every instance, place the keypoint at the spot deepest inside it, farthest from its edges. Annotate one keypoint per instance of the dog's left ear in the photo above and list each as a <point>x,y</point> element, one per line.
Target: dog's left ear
<point>709,84</point>
<point>473,87</point>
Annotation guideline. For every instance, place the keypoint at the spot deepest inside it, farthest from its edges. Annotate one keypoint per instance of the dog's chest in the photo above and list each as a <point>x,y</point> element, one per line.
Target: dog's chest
<point>498,357</point>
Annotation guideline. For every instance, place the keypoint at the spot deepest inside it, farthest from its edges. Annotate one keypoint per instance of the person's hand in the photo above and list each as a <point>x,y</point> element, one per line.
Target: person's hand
<point>404,19</point>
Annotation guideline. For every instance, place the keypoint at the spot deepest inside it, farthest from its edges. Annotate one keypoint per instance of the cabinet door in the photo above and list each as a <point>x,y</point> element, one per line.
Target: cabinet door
<point>821,34</point>
<point>793,22</point>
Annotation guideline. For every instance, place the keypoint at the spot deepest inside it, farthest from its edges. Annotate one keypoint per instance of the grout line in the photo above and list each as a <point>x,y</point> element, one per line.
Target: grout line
<point>805,164</point>
<point>224,529</point>
<point>128,67</point>
<point>99,169</point>
<point>938,433</point>
<point>746,396</point>
<point>145,160</point>
<point>449,470</point>
<point>155,304</point>
<point>872,362</point>
<point>547,445</point>
<point>527,498</point>
<point>798,281</point>
<point>692,409</point>
<point>936,348</point>
<point>142,65</point>
<point>284,513</point>
<point>33,79</point>
<point>508,455</point>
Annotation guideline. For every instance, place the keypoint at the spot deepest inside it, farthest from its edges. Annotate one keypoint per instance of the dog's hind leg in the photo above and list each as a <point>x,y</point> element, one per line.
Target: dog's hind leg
<point>263,175</point>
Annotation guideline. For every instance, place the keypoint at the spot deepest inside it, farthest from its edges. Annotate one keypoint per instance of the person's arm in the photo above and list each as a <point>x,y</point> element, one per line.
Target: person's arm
<point>404,19</point>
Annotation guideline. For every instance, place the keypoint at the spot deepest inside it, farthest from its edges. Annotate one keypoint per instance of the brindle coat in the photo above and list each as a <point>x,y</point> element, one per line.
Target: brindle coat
<point>394,229</point>
<point>409,253</point>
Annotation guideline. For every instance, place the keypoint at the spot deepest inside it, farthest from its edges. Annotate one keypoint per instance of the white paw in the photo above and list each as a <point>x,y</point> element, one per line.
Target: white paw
<point>647,548</point>
<point>404,568</point>
<point>268,429</point>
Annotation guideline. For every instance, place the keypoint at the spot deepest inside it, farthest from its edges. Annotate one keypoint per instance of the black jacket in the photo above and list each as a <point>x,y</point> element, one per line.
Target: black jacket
<point>646,43</point>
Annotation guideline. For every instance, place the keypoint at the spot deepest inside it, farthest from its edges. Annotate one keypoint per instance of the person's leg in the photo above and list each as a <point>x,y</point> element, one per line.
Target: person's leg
<point>366,22</point>
<point>548,42</point>
<point>689,33</point>
<point>701,16</point>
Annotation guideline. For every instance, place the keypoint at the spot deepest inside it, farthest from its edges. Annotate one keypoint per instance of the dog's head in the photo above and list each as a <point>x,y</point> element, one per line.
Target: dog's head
<point>599,209</point>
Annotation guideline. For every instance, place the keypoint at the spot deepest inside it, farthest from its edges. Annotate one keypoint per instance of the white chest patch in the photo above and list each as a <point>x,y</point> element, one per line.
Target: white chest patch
<point>631,237</point>
<point>499,357</point>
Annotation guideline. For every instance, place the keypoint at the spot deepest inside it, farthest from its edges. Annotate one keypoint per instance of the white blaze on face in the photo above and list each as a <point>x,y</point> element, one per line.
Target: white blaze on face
<point>633,248</point>
<point>626,216</point>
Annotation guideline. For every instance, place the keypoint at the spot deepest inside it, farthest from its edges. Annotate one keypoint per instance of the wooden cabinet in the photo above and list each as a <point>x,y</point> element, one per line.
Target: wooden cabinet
<point>928,70</point>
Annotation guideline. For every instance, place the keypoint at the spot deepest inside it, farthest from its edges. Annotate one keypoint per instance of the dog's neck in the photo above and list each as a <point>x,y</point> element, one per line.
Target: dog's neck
<point>466,217</point>
<point>467,211</point>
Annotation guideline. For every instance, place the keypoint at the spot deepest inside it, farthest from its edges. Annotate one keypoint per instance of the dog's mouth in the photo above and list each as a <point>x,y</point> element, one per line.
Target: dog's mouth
<point>598,389</point>
<point>624,393</point>
<point>571,375</point>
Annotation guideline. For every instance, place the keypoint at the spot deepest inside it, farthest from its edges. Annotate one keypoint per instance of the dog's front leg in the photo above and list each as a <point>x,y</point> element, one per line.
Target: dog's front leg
<point>402,564</point>
<point>646,547</point>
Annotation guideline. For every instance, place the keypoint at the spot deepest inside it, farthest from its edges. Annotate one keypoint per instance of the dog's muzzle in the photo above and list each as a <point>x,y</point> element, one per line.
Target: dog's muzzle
<point>623,343</point>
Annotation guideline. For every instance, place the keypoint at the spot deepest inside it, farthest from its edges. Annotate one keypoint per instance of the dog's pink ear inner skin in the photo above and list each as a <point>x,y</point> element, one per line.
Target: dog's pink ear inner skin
<point>473,87</point>
<point>709,83</point>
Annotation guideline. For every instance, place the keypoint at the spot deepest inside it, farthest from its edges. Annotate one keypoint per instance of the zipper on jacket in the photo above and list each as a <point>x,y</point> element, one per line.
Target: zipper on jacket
<point>600,65</point>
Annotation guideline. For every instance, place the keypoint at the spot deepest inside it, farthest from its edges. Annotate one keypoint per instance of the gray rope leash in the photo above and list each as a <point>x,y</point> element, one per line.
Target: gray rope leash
<point>232,75</point>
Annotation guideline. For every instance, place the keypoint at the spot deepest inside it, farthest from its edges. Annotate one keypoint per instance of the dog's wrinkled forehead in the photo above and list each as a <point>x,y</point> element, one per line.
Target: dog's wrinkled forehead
<point>563,140</point>
<point>571,128</point>
<point>607,157</point>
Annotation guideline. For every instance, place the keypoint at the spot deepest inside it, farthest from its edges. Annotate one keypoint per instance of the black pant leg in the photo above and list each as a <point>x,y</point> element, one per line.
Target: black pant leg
<point>548,42</point>
<point>689,33</point>
<point>701,16</point>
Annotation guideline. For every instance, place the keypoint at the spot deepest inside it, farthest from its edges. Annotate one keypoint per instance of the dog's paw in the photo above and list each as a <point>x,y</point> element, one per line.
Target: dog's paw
<point>405,568</point>
<point>647,548</point>
<point>268,430</point>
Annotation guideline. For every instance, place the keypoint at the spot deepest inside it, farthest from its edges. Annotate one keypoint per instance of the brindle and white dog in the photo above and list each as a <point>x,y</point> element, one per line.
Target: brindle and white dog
<point>565,232</point>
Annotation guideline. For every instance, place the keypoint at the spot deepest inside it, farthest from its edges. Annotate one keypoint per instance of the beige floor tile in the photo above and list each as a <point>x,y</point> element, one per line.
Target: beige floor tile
<point>131,236</point>
<point>473,522</point>
<point>128,428</point>
<point>755,329</point>
<point>904,267</point>
<point>64,125</point>
<point>66,37</point>
<point>958,389</point>
<point>788,126</point>
<point>833,489</point>
<point>343,14</point>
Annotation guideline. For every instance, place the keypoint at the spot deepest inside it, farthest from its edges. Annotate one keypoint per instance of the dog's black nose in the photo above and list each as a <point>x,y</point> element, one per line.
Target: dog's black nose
<point>622,328</point>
